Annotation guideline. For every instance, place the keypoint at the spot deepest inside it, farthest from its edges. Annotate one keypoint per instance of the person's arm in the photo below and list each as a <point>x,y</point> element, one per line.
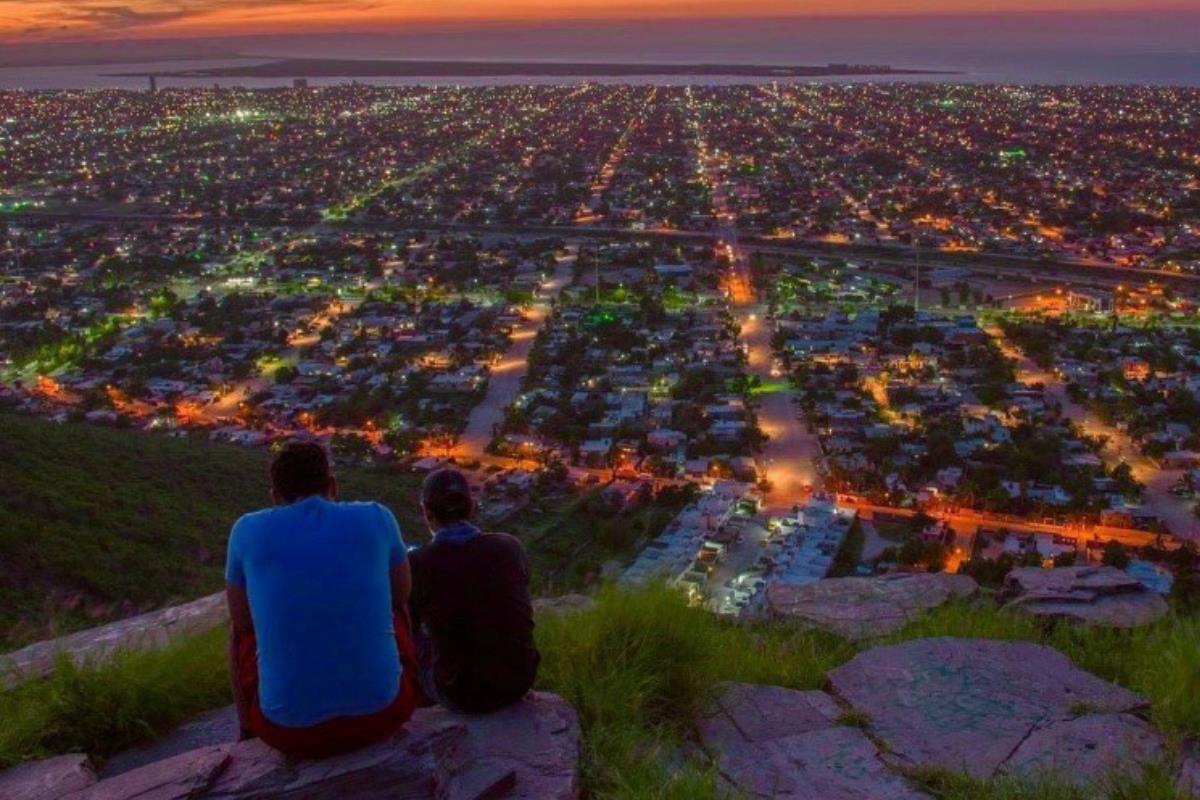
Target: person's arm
<point>241,624</point>
<point>401,589</point>
<point>398,566</point>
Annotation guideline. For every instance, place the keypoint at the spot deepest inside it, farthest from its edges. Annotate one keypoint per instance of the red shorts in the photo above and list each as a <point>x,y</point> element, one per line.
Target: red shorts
<point>340,734</point>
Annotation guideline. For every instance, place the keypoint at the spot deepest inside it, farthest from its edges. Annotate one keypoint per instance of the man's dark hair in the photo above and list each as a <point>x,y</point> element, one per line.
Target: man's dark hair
<point>300,469</point>
<point>446,495</point>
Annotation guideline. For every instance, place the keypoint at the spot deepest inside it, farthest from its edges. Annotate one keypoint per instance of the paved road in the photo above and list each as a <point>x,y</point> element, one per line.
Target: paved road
<point>790,454</point>
<point>968,519</point>
<point>741,557</point>
<point>1176,512</point>
<point>505,381</point>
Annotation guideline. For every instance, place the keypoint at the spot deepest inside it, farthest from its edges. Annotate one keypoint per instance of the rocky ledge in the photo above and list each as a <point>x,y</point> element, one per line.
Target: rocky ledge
<point>987,708</point>
<point>865,608</point>
<point>143,632</point>
<point>528,751</point>
<point>981,707</point>
<point>1104,596</point>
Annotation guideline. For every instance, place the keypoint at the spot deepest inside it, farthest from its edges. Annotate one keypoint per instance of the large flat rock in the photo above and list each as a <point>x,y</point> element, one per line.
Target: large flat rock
<point>866,608</point>
<point>781,743</point>
<point>49,779</point>
<point>146,631</point>
<point>1088,595</point>
<point>968,704</point>
<point>529,751</point>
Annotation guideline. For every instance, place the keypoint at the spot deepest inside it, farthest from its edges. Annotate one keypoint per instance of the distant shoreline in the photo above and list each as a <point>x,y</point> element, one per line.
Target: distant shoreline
<point>353,68</point>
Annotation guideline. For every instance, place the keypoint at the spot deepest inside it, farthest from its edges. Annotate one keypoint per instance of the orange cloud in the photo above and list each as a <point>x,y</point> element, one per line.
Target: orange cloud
<point>33,20</point>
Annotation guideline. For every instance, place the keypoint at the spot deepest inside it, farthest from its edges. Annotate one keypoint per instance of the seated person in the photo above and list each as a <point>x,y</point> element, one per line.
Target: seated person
<point>471,606</point>
<point>321,654</point>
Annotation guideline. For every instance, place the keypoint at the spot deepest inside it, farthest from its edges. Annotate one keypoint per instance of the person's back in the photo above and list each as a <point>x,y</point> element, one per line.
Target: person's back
<point>473,599</point>
<point>316,573</point>
<point>471,606</point>
<point>321,661</point>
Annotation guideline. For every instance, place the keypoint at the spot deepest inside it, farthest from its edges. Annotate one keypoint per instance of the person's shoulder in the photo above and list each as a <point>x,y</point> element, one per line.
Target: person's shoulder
<point>368,515</point>
<point>255,520</point>
<point>364,509</point>
<point>361,506</point>
<point>502,541</point>
<point>254,526</point>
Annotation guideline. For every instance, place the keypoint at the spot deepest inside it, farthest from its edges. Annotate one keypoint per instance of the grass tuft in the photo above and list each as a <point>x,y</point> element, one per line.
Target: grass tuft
<point>853,718</point>
<point>1151,782</point>
<point>106,708</point>
<point>641,667</point>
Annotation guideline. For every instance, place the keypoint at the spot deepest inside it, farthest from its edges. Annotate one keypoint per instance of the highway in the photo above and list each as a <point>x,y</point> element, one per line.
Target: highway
<point>897,255</point>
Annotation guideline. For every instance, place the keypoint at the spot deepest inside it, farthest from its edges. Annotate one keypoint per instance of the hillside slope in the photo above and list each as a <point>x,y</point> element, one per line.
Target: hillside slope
<point>97,523</point>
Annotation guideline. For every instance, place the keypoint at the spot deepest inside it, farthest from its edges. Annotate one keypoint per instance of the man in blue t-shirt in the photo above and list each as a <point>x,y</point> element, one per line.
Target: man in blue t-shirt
<point>321,655</point>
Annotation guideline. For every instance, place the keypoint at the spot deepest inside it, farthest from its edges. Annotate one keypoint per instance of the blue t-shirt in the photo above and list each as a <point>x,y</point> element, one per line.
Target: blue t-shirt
<point>317,574</point>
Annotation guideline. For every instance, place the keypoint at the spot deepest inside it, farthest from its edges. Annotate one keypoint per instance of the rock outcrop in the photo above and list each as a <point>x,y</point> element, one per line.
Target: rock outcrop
<point>1103,596</point>
<point>54,777</point>
<point>866,608</point>
<point>143,632</point>
<point>1189,768</point>
<point>780,743</point>
<point>528,751</point>
<point>987,707</point>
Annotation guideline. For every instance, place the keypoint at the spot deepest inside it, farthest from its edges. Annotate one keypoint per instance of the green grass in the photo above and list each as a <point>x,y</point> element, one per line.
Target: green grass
<point>103,709</point>
<point>639,668</point>
<point>98,523</point>
<point>1154,782</point>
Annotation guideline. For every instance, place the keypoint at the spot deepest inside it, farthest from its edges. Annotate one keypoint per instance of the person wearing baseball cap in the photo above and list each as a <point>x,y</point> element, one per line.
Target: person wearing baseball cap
<point>470,604</point>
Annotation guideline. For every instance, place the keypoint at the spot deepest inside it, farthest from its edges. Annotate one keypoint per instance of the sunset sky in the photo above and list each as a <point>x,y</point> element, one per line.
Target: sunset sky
<point>27,21</point>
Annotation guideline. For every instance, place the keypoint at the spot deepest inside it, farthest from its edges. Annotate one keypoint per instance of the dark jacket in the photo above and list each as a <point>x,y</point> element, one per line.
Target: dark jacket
<point>472,598</point>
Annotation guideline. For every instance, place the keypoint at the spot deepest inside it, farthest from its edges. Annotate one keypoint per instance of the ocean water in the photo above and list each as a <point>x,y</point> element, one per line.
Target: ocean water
<point>1152,48</point>
<point>1167,69</point>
